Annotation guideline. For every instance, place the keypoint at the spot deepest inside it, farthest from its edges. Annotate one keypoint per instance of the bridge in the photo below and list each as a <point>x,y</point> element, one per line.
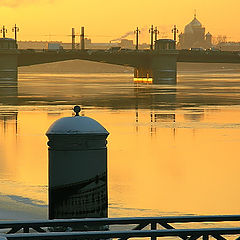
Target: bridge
<point>131,58</point>
<point>158,64</point>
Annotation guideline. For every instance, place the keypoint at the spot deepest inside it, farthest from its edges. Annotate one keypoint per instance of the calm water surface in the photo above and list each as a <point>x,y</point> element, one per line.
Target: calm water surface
<point>172,149</point>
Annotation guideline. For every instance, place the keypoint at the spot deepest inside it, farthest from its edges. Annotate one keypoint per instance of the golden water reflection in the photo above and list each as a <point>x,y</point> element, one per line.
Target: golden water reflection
<point>143,80</point>
<point>163,162</point>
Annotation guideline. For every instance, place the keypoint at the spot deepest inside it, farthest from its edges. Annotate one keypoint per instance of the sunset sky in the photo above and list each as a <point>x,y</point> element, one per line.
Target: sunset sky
<point>105,20</point>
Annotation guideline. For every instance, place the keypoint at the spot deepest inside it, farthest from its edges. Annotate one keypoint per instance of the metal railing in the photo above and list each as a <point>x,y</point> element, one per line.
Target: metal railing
<point>190,234</point>
<point>42,228</point>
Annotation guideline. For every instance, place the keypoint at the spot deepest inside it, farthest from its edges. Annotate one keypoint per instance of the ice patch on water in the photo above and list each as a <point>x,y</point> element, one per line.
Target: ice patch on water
<point>15,207</point>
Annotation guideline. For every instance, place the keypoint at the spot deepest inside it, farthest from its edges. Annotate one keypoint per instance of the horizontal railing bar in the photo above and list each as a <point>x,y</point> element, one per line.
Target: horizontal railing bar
<point>117,221</point>
<point>127,220</point>
<point>124,234</point>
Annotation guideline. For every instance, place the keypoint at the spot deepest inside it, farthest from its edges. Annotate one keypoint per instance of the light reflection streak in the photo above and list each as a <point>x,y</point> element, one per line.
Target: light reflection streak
<point>143,80</point>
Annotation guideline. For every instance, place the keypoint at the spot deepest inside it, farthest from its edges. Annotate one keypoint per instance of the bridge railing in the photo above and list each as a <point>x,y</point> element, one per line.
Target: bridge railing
<point>143,227</point>
<point>189,234</point>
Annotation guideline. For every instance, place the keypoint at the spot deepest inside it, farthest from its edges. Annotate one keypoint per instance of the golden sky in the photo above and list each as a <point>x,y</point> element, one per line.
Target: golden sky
<point>105,20</point>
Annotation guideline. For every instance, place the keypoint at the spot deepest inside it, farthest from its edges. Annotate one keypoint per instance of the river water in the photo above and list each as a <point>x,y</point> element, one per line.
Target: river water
<point>172,149</point>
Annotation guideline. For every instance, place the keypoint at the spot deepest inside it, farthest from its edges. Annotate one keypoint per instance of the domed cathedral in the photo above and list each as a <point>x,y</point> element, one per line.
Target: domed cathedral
<point>194,36</point>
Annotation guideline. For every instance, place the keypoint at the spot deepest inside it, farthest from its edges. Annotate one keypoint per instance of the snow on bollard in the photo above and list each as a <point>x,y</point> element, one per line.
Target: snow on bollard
<point>77,168</point>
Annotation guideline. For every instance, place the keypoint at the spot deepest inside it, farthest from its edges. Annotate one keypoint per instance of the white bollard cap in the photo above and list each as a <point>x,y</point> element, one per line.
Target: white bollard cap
<point>76,125</point>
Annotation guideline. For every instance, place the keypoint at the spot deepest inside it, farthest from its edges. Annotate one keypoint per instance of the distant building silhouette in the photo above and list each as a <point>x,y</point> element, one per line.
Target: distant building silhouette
<point>125,43</point>
<point>228,46</point>
<point>35,44</point>
<point>194,36</point>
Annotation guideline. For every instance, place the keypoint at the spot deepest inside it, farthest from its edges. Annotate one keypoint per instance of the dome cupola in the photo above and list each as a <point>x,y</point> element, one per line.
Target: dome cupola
<point>193,24</point>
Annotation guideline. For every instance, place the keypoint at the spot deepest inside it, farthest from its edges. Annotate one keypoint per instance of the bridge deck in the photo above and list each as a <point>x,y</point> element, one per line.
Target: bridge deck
<point>130,58</point>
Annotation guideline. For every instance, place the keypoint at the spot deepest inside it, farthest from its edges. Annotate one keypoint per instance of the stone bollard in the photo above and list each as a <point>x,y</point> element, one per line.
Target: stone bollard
<point>77,168</point>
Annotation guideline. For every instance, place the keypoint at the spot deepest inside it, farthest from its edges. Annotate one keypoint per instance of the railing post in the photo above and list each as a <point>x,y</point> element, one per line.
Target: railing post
<point>154,227</point>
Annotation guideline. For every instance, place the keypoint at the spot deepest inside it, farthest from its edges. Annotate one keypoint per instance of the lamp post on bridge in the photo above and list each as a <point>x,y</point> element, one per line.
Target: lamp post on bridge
<point>15,29</point>
<point>4,31</point>
<point>73,38</point>
<point>82,39</point>
<point>137,37</point>
<point>156,32</point>
<point>175,31</point>
<point>151,31</point>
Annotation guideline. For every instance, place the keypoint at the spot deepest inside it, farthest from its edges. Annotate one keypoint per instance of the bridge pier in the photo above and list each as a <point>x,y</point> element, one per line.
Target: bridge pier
<point>161,70</point>
<point>8,59</point>
<point>164,62</point>
<point>161,64</point>
<point>164,67</point>
<point>8,65</point>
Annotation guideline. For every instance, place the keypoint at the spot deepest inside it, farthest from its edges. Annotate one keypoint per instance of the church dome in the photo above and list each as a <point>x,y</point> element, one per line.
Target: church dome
<point>194,23</point>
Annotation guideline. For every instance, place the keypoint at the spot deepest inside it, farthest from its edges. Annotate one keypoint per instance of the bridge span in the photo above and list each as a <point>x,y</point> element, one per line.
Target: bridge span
<point>158,64</point>
<point>131,58</point>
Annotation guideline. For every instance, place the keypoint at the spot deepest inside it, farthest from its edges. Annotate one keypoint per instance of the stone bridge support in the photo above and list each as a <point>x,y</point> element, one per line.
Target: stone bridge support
<point>161,68</point>
<point>164,67</point>
<point>8,65</point>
